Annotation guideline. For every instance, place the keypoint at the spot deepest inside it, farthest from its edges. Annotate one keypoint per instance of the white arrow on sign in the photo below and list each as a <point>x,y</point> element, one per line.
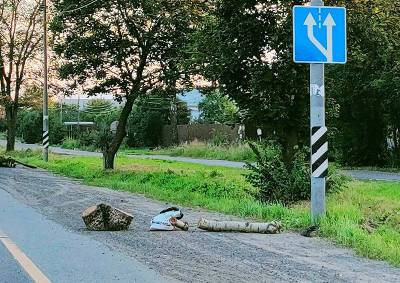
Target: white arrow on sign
<point>329,23</point>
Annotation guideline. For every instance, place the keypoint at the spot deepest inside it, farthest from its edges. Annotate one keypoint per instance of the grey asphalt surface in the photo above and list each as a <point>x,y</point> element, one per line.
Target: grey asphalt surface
<point>372,175</point>
<point>10,270</point>
<point>356,174</point>
<point>41,213</point>
<point>62,255</point>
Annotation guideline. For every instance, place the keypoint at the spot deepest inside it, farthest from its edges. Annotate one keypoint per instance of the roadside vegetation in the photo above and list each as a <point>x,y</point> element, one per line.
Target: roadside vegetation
<point>233,152</point>
<point>364,216</point>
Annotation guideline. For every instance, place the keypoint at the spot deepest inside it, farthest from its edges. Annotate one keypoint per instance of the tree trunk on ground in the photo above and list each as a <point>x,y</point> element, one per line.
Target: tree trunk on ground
<point>11,117</point>
<point>235,226</point>
<point>179,224</point>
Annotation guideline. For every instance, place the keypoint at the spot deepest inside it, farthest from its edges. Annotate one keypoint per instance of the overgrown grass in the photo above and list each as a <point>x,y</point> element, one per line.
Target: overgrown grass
<point>363,215</point>
<point>366,216</point>
<point>74,144</point>
<point>229,152</point>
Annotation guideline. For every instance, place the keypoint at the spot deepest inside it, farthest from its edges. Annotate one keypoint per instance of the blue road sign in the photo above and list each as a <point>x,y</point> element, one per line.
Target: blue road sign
<point>319,35</point>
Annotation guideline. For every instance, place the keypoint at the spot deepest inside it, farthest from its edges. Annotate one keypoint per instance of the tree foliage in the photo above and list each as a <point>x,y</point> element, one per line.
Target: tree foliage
<point>217,108</point>
<point>246,47</point>
<point>149,116</point>
<point>367,87</point>
<point>123,47</point>
<point>20,35</point>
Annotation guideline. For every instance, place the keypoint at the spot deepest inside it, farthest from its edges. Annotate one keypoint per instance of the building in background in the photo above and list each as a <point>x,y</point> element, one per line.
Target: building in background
<point>192,99</point>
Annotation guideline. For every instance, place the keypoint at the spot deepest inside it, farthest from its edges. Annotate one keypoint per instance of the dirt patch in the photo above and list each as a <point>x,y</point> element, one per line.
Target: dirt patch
<point>194,256</point>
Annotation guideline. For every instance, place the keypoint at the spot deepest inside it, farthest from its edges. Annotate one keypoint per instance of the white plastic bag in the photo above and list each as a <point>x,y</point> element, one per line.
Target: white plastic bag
<point>162,222</point>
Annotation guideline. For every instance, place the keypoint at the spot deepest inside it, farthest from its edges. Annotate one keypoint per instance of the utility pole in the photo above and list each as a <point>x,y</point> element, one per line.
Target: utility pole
<point>45,88</point>
<point>318,136</point>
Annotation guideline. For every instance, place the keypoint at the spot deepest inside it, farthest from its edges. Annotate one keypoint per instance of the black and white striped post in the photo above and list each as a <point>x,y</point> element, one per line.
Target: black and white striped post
<point>45,88</point>
<point>319,143</point>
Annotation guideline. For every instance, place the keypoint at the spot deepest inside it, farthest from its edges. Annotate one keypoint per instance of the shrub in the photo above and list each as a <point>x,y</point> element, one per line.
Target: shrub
<point>70,143</point>
<point>284,183</point>
<point>29,126</point>
<point>219,138</point>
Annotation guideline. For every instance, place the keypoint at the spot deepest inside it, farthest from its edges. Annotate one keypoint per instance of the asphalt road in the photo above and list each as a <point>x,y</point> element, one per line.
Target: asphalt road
<point>40,212</point>
<point>10,270</point>
<point>356,174</point>
<point>62,255</point>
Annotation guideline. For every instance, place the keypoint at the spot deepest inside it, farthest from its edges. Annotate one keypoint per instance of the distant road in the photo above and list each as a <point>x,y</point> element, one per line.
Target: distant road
<point>62,151</point>
<point>356,174</point>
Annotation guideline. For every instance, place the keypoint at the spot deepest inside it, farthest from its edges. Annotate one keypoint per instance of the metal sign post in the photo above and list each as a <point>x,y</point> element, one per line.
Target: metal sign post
<point>319,35</point>
<point>45,89</point>
<point>319,160</point>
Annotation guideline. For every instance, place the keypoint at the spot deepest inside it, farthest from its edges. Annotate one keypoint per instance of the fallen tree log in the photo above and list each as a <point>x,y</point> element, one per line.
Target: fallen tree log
<point>179,224</point>
<point>236,226</point>
<point>104,217</point>
<point>9,162</point>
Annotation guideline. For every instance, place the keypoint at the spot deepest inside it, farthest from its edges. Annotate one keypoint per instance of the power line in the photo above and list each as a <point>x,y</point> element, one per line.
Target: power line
<point>78,8</point>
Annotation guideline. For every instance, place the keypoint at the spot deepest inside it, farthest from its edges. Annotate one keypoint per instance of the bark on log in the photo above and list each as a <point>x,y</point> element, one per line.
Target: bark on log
<point>235,226</point>
<point>9,162</point>
<point>103,217</point>
<point>179,224</point>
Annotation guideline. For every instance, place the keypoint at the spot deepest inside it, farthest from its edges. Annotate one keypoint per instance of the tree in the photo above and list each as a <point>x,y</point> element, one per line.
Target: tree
<point>122,47</point>
<point>20,34</point>
<point>367,88</point>
<point>216,108</point>
<point>149,116</point>
<point>246,47</point>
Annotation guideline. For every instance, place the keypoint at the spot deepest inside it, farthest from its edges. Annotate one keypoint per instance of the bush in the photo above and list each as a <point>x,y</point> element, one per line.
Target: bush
<point>70,143</point>
<point>29,126</point>
<point>219,138</point>
<point>57,130</point>
<point>284,183</point>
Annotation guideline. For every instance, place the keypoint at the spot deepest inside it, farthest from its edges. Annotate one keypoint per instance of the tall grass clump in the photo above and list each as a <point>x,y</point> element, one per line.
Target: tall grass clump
<point>231,152</point>
<point>282,182</point>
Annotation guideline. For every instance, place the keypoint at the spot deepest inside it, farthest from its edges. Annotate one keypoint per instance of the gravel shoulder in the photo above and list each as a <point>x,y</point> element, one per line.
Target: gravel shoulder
<point>194,256</point>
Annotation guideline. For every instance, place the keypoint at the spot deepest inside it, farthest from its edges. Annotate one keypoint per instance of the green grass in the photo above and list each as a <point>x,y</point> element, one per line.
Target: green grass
<point>70,143</point>
<point>231,152</point>
<point>364,216</point>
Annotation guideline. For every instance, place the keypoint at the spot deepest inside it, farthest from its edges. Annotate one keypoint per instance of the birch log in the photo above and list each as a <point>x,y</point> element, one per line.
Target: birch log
<point>236,226</point>
<point>179,224</point>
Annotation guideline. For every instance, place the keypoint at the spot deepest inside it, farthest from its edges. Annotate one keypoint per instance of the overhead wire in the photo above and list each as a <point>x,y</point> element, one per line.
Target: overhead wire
<point>78,8</point>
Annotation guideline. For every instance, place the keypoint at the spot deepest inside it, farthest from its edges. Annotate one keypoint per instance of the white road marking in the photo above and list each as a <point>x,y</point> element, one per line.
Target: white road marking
<point>30,268</point>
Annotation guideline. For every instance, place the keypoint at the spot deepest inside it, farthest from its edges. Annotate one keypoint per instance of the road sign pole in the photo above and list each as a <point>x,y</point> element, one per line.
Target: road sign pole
<point>318,141</point>
<point>317,117</point>
<point>45,88</point>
